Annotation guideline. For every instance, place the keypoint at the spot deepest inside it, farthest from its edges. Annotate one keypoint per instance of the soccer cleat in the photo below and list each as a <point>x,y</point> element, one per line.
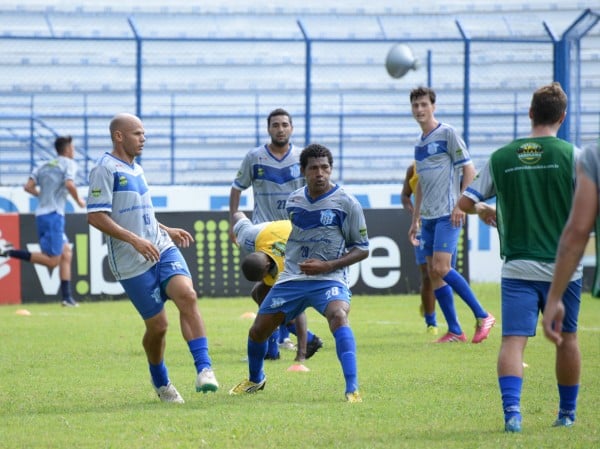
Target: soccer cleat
<point>353,397</point>
<point>69,302</point>
<point>206,381</point>
<point>451,338</point>
<point>168,393</point>
<point>432,330</point>
<point>563,421</point>
<point>5,247</point>
<point>483,328</point>
<point>313,346</point>
<point>287,344</point>
<point>513,425</point>
<point>248,387</point>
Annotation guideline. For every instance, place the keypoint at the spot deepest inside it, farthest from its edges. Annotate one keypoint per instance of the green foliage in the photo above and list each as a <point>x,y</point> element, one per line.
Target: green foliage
<point>77,378</point>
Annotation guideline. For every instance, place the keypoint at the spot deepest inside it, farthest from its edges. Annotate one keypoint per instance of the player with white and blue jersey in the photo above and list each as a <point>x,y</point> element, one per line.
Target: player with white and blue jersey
<point>444,167</point>
<point>273,172</point>
<point>329,233</point>
<point>51,183</point>
<point>143,257</point>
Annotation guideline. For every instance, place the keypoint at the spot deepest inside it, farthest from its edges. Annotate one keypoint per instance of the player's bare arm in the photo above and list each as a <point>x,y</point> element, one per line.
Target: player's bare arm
<point>315,266</point>
<point>103,222</point>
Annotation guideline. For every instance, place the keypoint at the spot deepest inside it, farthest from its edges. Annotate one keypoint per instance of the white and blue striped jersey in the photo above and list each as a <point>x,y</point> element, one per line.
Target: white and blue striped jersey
<point>272,180</point>
<point>120,189</point>
<point>439,157</point>
<point>51,178</point>
<point>325,229</point>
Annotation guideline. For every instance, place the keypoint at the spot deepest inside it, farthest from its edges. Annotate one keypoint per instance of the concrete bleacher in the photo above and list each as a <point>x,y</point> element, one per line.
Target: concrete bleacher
<point>221,68</point>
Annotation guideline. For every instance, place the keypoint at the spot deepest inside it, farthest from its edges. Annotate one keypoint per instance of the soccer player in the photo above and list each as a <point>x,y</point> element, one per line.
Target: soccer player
<point>441,158</point>
<point>533,180</point>
<point>264,245</point>
<point>427,307</point>
<point>51,183</point>
<point>273,172</point>
<point>328,234</point>
<point>143,257</point>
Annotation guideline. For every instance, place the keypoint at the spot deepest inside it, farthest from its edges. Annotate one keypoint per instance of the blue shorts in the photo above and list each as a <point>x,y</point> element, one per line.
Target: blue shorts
<point>422,259</point>
<point>293,297</point>
<point>439,235</point>
<point>51,233</point>
<point>147,291</point>
<point>522,302</point>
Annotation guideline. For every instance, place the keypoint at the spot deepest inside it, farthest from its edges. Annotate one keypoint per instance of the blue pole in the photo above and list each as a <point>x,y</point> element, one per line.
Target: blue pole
<point>307,89</point>
<point>561,74</point>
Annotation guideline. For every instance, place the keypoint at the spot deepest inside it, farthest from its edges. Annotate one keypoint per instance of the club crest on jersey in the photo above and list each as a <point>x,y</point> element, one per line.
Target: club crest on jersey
<point>122,181</point>
<point>327,217</point>
<point>295,171</point>
<point>530,153</point>
<point>278,249</point>
<point>260,172</point>
<point>96,193</point>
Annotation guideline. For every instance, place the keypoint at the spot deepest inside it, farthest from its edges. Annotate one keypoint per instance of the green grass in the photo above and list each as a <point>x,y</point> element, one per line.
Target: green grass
<point>77,378</point>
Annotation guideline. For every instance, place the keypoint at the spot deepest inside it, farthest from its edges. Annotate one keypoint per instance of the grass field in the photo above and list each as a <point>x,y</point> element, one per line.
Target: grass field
<point>77,378</point>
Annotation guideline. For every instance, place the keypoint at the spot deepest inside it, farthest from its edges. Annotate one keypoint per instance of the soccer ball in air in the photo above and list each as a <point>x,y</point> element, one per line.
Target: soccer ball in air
<point>400,60</point>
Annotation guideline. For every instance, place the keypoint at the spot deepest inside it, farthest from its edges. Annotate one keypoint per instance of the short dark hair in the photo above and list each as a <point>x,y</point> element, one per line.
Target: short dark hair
<point>61,143</point>
<point>548,104</point>
<point>315,150</point>
<point>422,91</point>
<point>278,111</point>
<point>254,266</point>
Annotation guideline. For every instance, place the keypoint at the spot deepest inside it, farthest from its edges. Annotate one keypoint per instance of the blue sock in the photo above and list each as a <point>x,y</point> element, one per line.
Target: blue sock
<point>446,302</point>
<point>283,333</point>
<point>160,376</point>
<point>430,320</point>
<point>345,347</point>
<point>65,288</point>
<point>256,357</point>
<point>462,288</point>
<point>309,335</point>
<point>199,349</point>
<point>510,388</point>
<point>568,400</point>
<point>273,344</point>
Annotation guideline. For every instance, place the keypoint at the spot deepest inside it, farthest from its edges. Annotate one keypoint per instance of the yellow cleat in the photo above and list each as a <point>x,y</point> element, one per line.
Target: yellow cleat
<point>248,387</point>
<point>353,397</point>
<point>432,330</point>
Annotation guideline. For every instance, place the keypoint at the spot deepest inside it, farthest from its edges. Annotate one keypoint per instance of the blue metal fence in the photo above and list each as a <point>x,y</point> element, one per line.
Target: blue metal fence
<point>204,96</point>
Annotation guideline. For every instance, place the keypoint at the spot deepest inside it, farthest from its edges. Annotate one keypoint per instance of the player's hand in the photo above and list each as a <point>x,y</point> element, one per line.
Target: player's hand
<point>181,237</point>
<point>232,236</point>
<point>314,266</point>
<point>457,218</point>
<point>554,313</point>
<point>81,202</point>
<point>146,249</point>
<point>486,213</point>
<point>412,234</point>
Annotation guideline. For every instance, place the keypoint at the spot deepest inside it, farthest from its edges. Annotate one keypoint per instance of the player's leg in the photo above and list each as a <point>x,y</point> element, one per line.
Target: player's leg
<point>143,290</point>
<point>444,247</point>
<point>178,286</point>
<point>520,309</point>
<point>259,292</point>
<point>332,300</point>
<point>65,274</point>
<point>568,358</point>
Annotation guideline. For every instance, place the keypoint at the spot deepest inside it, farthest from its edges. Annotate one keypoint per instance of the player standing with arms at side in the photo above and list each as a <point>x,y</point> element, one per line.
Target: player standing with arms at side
<point>143,257</point>
<point>329,233</point>
<point>273,172</point>
<point>55,179</point>
<point>441,157</point>
<point>533,180</point>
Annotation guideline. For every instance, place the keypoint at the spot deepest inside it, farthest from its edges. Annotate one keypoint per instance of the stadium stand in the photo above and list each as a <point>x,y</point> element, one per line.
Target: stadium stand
<point>211,73</point>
